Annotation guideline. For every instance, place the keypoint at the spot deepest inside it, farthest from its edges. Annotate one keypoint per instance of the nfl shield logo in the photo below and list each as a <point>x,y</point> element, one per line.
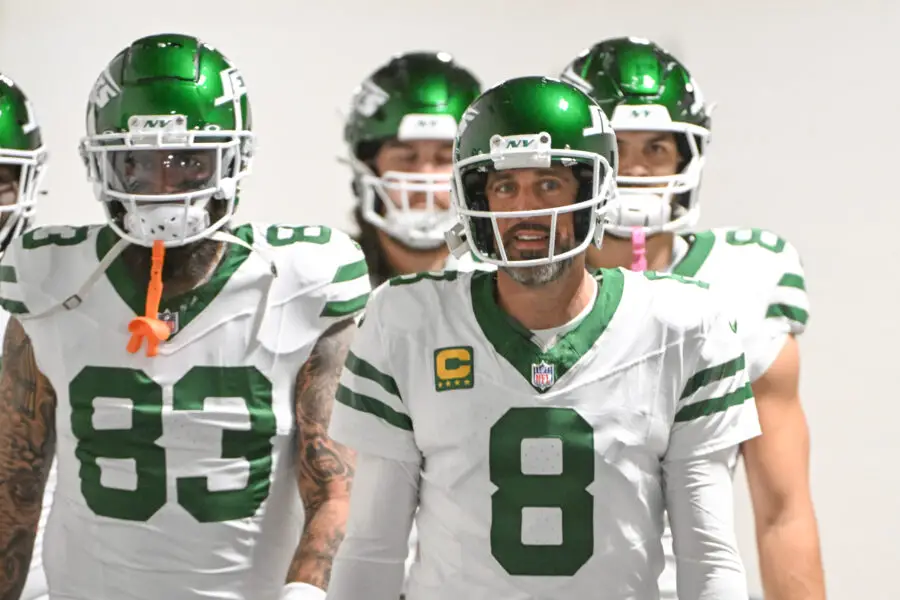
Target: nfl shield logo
<point>542,375</point>
<point>169,318</point>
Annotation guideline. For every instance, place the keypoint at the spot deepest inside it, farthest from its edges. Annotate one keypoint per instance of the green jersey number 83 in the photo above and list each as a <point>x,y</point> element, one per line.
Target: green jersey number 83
<point>137,443</point>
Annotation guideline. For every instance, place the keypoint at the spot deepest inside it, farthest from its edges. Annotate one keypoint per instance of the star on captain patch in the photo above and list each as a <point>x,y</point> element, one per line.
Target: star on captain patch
<point>542,375</point>
<point>170,319</point>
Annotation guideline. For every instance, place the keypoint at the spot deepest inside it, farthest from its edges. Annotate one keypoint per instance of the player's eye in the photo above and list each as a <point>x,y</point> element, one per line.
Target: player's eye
<point>196,164</point>
<point>503,187</point>
<point>550,185</point>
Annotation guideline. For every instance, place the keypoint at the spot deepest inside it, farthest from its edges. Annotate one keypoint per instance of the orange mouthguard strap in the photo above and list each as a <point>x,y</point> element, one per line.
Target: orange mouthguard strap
<point>150,327</point>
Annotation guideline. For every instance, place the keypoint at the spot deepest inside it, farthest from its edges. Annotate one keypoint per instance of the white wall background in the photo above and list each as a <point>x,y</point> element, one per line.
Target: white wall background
<point>806,141</point>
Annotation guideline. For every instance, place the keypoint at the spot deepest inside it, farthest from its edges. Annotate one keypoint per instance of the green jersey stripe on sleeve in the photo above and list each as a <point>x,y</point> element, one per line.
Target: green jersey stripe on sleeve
<point>711,374</point>
<point>374,407</point>
<point>787,311</point>
<point>711,406</point>
<point>350,272</point>
<point>8,274</point>
<point>792,280</point>
<point>344,308</point>
<point>13,306</point>
<point>363,369</point>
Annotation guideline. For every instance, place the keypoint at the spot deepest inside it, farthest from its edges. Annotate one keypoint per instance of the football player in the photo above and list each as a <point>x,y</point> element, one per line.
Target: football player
<point>662,123</point>
<point>183,366</point>
<point>399,137</point>
<point>23,165</point>
<point>540,417</point>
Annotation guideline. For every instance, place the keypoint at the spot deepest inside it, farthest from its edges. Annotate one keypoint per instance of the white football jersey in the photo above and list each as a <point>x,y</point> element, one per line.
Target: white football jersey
<point>176,473</point>
<point>541,469</point>
<point>760,278</point>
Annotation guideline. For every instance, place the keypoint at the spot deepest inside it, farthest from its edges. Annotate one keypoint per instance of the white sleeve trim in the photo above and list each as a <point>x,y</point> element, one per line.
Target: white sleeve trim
<point>370,561</point>
<point>764,348</point>
<point>700,505</point>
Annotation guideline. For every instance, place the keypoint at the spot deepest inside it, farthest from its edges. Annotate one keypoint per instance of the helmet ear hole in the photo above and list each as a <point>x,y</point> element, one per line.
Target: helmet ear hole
<point>585,175</point>
<point>217,209</point>
<point>684,150</point>
<point>474,183</point>
<point>366,152</point>
<point>230,163</point>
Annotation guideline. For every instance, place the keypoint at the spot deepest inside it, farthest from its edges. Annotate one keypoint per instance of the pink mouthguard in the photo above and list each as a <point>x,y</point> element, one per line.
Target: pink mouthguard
<point>638,249</point>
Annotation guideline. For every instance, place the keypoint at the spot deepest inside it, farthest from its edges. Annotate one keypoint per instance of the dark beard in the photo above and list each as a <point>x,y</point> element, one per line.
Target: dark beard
<point>183,268</point>
<point>540,275</point>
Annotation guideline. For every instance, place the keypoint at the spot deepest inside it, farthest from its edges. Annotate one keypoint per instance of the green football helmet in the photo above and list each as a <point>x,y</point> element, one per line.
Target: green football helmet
<point>415,96</point>
<point>641,87</point>
<point>531,122</point>
<point>168,140</point>
<point>24,158</point>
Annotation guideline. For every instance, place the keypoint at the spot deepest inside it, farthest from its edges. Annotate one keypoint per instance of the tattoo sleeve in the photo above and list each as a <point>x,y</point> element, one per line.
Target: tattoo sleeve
<point>27,444</point>
<point>324,467</point>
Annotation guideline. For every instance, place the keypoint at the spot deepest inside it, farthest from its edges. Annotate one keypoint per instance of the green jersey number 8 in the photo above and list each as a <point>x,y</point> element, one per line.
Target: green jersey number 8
<point>760,237</point>
<point>564,492</point>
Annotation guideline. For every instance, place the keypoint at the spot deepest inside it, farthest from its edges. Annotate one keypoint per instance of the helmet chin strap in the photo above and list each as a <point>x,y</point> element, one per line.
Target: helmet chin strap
<point>401,226</point>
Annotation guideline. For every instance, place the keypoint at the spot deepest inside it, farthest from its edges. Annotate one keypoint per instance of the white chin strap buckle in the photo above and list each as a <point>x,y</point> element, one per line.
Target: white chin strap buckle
<point>456,241</point>
<point>642,210</point>
<point>167,222</point>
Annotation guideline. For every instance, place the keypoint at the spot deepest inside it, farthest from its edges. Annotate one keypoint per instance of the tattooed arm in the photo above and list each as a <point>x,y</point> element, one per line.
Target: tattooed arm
<point>27,444</point>
<point>324,467</point>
